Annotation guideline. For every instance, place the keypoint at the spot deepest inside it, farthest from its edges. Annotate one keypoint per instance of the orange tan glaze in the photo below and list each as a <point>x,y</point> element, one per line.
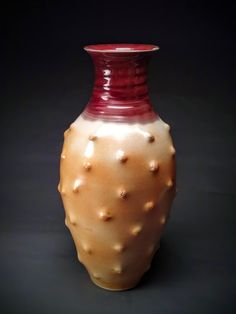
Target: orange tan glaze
<point>117,183</point>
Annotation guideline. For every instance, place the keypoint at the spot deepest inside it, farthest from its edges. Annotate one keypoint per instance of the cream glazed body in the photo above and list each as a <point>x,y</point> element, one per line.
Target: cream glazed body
<point>117,182</point>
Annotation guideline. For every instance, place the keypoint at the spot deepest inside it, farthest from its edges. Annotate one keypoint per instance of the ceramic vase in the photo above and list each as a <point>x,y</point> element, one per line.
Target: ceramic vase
<point>117,170</point>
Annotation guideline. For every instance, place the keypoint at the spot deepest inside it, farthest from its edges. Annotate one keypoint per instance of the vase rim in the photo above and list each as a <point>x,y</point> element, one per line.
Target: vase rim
<point>121,48</point>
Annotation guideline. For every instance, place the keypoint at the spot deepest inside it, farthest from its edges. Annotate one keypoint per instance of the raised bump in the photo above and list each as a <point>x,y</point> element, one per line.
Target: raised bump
<point>167,126</point>
<point>121,156</point>
<point>77,185</point>
<point>118,269</point>
<point>87,249</point>
<point>122,193</point>
<point>72,126</point>
<point>151,249</point>
<point>58,187</point>
<point>63,156</point>
<point>119,247</point>
<point>87,165</point>
<point>136,230</point>
<point>66,132</point>
<point>92,137</point>
<point>162,220</point>
<point>153,166</point>
<point>105,215</point>
<point>79,258</point>
<point>96,276</point>
<point>169,183</point>
<point>172,150</point>
<point>62,190</point>
<point>72,220</point>
<point>150,138</point>
<point>148,206</point>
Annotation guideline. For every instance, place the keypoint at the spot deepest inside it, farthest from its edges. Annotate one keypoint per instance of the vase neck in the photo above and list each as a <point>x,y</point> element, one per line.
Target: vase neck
<point>120,90</point>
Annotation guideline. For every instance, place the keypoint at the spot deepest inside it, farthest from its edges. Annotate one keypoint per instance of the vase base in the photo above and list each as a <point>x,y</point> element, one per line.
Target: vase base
<point>112,287</point>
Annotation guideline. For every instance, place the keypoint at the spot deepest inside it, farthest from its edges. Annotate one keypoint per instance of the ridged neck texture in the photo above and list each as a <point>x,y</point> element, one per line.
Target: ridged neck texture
<point>120,90</point>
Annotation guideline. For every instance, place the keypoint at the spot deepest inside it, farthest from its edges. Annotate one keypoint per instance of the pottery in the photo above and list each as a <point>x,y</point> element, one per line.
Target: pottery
<point>117,170</point>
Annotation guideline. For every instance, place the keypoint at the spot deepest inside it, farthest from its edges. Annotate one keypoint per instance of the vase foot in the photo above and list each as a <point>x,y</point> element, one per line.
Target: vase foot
<point>112,287</point>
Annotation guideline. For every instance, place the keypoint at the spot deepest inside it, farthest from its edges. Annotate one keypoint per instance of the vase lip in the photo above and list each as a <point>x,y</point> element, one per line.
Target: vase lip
<point>121,48</point>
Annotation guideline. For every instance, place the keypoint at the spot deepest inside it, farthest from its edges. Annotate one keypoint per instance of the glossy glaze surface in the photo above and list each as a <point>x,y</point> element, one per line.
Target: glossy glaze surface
<point>124,48</point>
<point>120,90</point>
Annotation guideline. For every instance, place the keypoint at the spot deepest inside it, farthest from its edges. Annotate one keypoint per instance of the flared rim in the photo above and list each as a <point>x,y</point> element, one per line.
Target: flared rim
<point>121,48</point>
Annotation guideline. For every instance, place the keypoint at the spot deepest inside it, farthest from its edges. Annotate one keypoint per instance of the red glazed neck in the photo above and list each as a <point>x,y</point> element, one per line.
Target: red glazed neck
<point>120,90</point>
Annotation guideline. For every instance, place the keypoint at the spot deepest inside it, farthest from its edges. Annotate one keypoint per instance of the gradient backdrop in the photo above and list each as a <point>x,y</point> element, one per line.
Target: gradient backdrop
<point>46,80</point>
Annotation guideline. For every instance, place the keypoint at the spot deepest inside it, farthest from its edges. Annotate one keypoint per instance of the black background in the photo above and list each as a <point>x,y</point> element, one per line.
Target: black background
<point>46,80</point>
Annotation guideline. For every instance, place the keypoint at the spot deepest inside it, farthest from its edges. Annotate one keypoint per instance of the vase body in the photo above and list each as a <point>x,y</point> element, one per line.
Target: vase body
<point>117,171</point>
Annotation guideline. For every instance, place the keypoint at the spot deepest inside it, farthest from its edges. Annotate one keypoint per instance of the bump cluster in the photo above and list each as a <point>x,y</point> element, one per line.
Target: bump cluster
<point>92,225</point>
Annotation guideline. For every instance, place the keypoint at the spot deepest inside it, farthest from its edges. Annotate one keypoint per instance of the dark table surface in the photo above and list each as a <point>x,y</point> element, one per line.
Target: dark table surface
<point>194,270</point>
